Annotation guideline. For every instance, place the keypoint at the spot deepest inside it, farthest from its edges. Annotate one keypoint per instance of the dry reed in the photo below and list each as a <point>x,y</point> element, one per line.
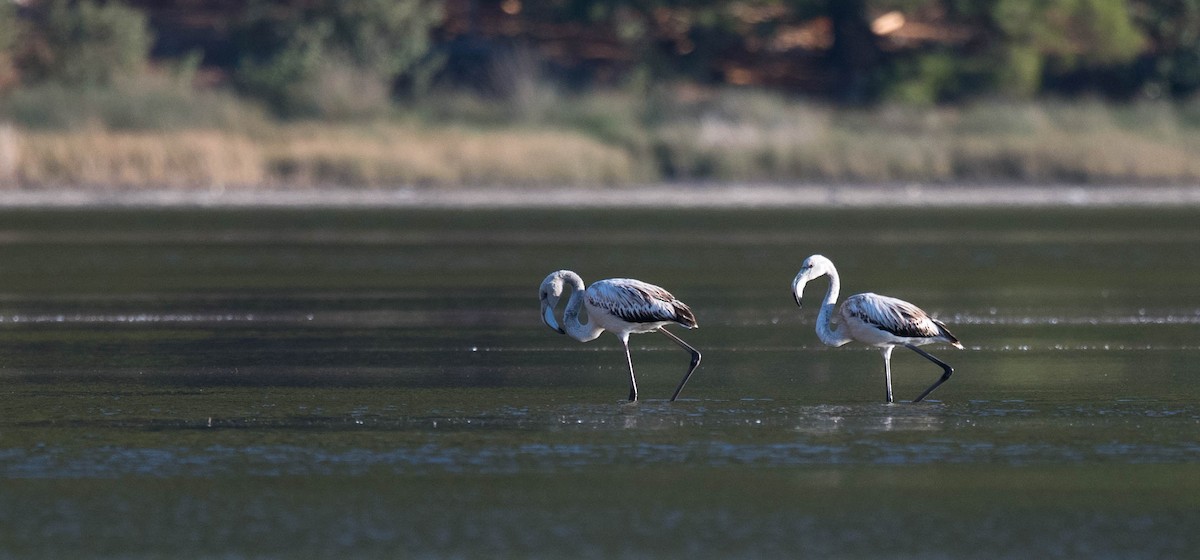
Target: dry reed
<point>743,138</point>
<point>308,155</point>
<point>134,159</point>
<point>405,155</point>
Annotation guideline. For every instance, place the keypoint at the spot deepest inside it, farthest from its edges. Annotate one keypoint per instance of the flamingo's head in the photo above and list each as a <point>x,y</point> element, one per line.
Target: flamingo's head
<point>812,268</point>
<point>549,294</point>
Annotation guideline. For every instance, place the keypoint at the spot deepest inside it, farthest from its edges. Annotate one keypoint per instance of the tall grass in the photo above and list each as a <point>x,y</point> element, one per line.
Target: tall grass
<point>306,156</point>
<point>604,139</point>
<point>394,154</point>
<point>100,157</point>
<point>162,101</point>
<point>996,141</point>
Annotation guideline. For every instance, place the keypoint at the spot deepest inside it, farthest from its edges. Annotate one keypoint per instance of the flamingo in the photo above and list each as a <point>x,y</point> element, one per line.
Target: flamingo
<point>621,306</point>
<point>880,321</point>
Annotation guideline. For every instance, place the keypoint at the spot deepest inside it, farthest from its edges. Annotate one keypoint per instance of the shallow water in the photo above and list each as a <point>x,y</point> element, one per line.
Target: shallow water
<point>312,383</point>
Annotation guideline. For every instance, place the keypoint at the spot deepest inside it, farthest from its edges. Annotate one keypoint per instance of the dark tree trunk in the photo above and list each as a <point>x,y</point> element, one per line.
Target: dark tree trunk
<point>855,56</point>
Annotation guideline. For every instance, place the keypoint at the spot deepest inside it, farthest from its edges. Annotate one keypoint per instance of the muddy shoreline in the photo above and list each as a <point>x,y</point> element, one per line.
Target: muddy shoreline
<point>651,196</point>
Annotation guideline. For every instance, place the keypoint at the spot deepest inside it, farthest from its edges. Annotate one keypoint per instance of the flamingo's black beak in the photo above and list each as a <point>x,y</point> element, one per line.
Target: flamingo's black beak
<point>548,318</point>
<point>798,287</point>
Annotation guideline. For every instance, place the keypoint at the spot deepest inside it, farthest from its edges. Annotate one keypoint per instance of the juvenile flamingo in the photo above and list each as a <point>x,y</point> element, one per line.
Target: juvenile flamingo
<point>880,321</point>
<point>621,306</point>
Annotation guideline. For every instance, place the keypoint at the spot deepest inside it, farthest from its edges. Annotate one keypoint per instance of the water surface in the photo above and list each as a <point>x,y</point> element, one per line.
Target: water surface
<point>324,382</point>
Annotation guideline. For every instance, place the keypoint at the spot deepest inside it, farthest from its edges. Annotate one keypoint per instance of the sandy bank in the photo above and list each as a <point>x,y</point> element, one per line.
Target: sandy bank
<point>664,196</point>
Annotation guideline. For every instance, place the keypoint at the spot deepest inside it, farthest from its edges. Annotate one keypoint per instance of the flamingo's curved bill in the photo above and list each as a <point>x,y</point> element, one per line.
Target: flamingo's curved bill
<point>548,318</point>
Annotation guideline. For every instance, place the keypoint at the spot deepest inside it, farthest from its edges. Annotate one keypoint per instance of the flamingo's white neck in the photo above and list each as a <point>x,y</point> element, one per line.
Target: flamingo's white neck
<point>815,267</point>
<point>574,327</point>
<point>830,335</point>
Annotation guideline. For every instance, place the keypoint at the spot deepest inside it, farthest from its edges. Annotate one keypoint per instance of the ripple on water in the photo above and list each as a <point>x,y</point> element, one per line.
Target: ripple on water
<point>760,433</point>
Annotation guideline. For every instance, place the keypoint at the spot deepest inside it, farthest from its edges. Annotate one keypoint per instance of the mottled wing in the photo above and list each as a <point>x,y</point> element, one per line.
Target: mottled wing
<point>895,316</point>
<point>634,301</point>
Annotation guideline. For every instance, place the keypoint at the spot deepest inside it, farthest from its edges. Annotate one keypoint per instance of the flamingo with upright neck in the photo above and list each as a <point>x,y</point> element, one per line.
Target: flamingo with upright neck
<point>622,306</point>
<point>875,320</point>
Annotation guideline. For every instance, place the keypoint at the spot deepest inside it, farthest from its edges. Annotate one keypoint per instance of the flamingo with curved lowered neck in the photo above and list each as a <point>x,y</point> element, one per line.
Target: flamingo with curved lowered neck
<point>622,306</point>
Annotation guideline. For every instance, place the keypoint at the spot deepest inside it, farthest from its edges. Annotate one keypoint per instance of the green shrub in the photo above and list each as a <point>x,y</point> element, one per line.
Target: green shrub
<point>1020,76</point>
<point>283,78</point>
<point>86,43</point>
<point>147,102</point>
<point>317,60</point>
<point>927,80</point>
<point>9,26</point>
<point>10,32</point>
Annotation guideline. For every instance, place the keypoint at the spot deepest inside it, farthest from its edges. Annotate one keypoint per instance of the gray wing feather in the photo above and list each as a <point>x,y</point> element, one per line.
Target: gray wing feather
<point>635,301</point>
<point>895,316</point>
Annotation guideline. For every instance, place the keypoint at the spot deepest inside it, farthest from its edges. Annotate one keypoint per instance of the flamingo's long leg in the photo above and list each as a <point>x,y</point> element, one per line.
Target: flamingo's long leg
<point>632,380</point>
<point>887,370</point>
<point>947,371</point>
<point>691,368</point>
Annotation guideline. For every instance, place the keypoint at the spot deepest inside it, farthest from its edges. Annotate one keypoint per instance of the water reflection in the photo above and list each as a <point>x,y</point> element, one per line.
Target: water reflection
<point>372,362</point>
<point>830,419</point>
<point>714,433</point>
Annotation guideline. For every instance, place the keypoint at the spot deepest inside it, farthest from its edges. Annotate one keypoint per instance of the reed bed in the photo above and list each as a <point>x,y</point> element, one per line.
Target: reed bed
<point>98,157</point>
<point>404,155</point>
<point>618,141</point>
<point>1036,142</point>
<point>308,156</point>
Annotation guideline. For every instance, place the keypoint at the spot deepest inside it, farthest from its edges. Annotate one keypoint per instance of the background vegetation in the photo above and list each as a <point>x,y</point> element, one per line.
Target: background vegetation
<point>451,92</point>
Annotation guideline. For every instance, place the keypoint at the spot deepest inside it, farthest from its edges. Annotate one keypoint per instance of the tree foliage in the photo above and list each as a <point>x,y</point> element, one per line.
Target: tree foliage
<point>350,57</point>
<point>293,52</point>
<point>1011,48</point>
<point>1173,28</point>
<point>10,31</point>
<point>84,43</point>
